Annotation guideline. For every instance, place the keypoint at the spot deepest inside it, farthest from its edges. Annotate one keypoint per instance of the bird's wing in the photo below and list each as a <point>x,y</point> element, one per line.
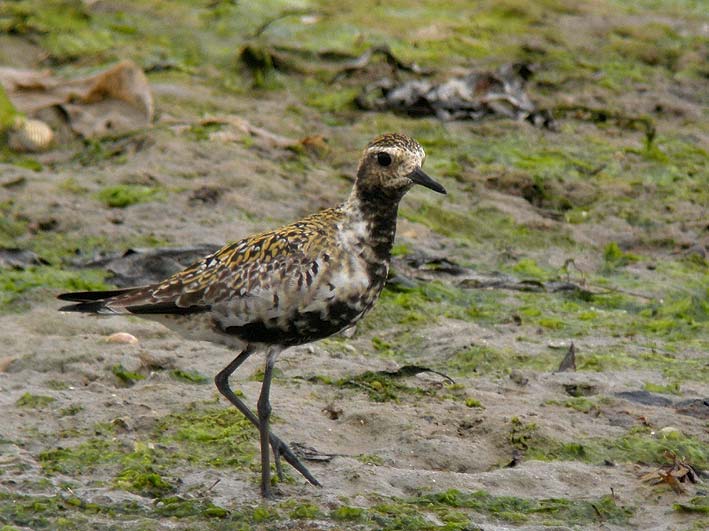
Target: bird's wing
<point>258,270</point>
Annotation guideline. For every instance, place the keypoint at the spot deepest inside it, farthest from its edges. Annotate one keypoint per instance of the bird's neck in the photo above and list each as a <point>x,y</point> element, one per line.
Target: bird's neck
<point>377,212</point>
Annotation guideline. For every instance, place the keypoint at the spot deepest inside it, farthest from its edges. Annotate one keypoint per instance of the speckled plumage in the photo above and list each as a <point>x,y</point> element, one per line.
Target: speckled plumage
<point>288,286</point>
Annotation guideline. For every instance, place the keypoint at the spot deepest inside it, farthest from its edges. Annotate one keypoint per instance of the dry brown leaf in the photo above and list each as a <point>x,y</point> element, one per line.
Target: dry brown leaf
<point>156,362</point>
<point>5,362</point>
<point>237,127</point>
<point>673,474</point>
<point>115,101</point>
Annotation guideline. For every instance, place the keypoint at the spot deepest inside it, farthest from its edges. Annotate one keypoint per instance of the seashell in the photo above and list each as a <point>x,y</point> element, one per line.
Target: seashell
<point>28,135</point>
<point>122,337</point>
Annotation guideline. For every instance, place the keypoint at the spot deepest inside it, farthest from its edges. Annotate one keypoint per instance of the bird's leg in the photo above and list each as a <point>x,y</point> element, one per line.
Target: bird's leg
<point>263,407</point>
<point>222,382</point>
<point>279,447</point>
<point>276,456</point>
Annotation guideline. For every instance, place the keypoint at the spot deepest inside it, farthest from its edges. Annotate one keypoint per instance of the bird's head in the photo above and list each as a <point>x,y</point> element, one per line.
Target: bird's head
<point>391,165</point>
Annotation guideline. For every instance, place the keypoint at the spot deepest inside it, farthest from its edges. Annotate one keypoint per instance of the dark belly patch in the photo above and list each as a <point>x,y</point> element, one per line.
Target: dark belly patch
<point>300,327</point>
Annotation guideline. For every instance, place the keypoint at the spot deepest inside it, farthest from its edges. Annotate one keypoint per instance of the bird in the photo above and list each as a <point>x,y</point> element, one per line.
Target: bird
<point>285,287</point>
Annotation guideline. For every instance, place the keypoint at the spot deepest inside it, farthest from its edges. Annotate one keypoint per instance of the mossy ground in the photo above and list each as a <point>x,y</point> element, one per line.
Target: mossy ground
<point>614,202</point>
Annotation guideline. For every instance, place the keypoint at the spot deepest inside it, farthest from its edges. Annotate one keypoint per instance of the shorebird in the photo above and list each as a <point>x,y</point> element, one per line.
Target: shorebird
<point>285,287</point>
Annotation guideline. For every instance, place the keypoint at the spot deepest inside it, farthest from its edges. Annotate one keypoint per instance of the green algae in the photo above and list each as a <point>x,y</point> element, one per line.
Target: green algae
<point>71,410</point>
<point>671,388</point>
<point>68,511</point>
<point>15,284</point>
<point>680,319</point>
<point>669,364</point>
<point>203,131</point>
<point>483,359</point>
<point>332,101</point>
<point>12,223</point>
<point>636,446</point>
<point>198,436</point>
<point>178,507</point>
<point>698,504</point>
<point>458,510</point>
<point>528,268</point>
<point>473,402</point>
<point>580,403</point>
<point>370,459</point>
<point>34,401</point>
<point>476,226</point>
<point>382,387</point>
<point>20,286</point>
<point>189,376</point>
<point>420,304</point>
<point>143,481</point>
<point>519,510</point>
<point>64,27</point>
<point>615,257</point>
<point>345,513</point>
<point>73,186</point>
<point>79,459</point>
<point>57,385</point>
<point>218,437</point>
<point>8,113</point>
<point>58,248</point>
<point>521,433</point>
<point>128,378</point>
<point>305,511</point>
<point>39,512</point>
<point>264,514</point>
<point>641,446</point>
<point>70,31</point>
<point>124,195</point>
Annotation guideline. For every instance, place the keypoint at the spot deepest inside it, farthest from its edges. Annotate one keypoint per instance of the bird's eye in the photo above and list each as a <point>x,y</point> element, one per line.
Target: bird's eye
<point>384,159</point>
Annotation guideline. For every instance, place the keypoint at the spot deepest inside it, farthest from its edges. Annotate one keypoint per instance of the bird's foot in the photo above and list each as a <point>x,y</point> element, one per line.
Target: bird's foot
<point>277,459</point>
<point>282,449</point>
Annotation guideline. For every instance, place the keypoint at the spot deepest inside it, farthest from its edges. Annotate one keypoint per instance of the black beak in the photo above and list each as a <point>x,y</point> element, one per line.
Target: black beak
<point>420,177</point>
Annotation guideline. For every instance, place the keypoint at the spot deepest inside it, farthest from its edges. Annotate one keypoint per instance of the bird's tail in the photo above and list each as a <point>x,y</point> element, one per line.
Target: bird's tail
<point>90,301</point>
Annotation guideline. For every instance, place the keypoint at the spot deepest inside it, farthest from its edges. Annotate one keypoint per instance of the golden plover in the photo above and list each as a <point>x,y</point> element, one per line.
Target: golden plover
<point>289,286</point>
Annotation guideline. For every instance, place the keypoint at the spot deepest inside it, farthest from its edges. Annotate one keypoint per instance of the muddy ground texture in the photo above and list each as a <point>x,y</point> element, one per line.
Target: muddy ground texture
<point>595,234</point>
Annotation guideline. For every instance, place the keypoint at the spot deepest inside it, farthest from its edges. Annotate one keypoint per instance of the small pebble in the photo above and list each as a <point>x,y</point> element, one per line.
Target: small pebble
<point>518,378</point>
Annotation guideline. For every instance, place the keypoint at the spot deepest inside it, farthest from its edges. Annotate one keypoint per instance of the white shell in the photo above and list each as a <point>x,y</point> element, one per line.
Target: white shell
<point>29,135</point>
<point>122,337</point>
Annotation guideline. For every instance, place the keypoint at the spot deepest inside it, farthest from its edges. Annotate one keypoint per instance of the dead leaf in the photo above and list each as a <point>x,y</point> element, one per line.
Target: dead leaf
<point>155,362</point>
<point>112,102</point>
<point>309,453</point>
<point>333,412</point>
<point>674,474</point>
<point>238,127</point>
<point>314,144</point>
<point>5,362</point>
